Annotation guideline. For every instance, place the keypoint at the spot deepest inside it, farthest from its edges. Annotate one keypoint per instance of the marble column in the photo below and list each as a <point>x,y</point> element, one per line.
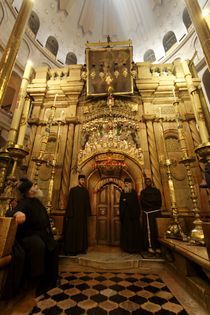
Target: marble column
<point>11,50</point>
<point>197,108</point>
<point>201,27</point>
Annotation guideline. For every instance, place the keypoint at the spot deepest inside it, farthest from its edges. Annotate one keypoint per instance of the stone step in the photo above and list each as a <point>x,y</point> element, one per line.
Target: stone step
<point>116,261</point>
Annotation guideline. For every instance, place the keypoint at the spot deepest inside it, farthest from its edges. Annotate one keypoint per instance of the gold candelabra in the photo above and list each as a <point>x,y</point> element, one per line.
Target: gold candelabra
<point>196,235</point>
<point>14,152</point>
<point>54,165</point>
<point>39,160</point>
<point>174,230</point>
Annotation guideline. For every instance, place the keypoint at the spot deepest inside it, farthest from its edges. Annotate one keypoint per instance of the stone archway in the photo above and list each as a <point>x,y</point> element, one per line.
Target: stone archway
<point>104,194</point>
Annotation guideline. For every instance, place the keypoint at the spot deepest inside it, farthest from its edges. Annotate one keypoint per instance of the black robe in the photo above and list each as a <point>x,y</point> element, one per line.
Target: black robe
<point>150,201</point>
<point>36,239</point>
<point>76,221</point>
<point>131,234</point>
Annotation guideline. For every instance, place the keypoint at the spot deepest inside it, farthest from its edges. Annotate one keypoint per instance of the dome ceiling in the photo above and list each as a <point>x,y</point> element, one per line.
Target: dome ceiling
<point>74,22</point>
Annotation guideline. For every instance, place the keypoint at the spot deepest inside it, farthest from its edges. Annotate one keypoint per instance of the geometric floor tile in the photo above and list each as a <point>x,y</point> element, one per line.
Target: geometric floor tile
<point>113,293</point>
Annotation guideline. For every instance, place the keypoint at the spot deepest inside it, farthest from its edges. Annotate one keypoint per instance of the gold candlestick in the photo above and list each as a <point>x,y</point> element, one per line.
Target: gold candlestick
<point>20,105</point>
<point>45,138</point>
<point>39,160</point>
<point>174,230</point>
<point>54,165</point>
<point>9,56</point>
<point>196,235</point>
<point>24,121</point>
<point>4,162</point>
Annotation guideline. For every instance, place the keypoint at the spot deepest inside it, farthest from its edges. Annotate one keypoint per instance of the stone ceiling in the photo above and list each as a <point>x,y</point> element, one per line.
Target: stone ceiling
<point>74,22</point>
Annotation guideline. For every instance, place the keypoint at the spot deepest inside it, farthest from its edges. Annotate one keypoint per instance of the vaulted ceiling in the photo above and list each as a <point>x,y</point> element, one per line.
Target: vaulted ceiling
<point>74,22</point>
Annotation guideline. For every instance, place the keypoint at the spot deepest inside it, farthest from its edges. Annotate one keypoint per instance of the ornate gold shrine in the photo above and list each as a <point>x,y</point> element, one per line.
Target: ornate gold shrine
<point>110,137</point>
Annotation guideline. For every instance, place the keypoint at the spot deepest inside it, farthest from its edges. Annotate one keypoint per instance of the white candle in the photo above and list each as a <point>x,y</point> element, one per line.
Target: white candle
<point>55,98</point>
<point>174,94</point>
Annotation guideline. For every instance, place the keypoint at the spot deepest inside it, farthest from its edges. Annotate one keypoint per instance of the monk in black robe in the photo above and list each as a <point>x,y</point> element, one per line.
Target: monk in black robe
<point>76,219</point>
<point>130,235</point>
<point>35,237</point>
<point>150,201</point>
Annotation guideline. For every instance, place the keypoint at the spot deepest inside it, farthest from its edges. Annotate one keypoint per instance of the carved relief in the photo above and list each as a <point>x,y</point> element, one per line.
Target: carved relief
<point>103,134</point>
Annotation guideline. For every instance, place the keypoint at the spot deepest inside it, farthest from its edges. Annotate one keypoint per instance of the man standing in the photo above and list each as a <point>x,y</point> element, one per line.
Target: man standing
<point>150,200</point>
<point>130,240</point>
<point>75,225</point>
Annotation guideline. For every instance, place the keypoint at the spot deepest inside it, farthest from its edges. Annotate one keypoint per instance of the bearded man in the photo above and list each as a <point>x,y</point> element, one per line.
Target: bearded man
<point>150,201</point>
<point>131,234</point>
<point>76,219</point>
<point>35,237</point>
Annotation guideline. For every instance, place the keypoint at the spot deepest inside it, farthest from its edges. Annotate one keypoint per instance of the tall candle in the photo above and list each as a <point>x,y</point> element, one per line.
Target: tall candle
<point>55,98</point>
<point>18,112</point>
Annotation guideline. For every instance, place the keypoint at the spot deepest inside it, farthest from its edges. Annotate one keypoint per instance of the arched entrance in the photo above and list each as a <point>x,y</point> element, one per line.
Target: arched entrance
<point>107,215</point>
<point>104,185</point>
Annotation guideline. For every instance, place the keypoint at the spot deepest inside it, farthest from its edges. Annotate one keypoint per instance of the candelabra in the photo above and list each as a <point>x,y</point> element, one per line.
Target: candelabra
<point>196,235</point>
<point>175,229</point>
<point>54,165</point>
<point>14,152</point>
<point>40,160</point>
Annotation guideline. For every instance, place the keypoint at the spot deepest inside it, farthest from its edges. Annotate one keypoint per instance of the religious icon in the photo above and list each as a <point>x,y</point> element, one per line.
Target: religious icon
<point>109,71</point>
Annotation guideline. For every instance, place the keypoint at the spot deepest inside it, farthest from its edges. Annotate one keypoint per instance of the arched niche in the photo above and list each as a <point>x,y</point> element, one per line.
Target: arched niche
<point>149,56</point>
<point>34,22</point>
<point>186,19</point>
<point>169,40</point>
<point>71,59</point>
<point>52,45</point>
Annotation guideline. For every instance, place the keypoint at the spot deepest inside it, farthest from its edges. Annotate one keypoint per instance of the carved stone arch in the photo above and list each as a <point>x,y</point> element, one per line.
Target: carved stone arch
<point>133,169</point>
<point>170,133</point>
<point>106,181</point>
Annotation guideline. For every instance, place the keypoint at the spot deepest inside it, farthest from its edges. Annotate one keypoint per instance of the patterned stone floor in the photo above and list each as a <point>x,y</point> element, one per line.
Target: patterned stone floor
<point>109,293</point>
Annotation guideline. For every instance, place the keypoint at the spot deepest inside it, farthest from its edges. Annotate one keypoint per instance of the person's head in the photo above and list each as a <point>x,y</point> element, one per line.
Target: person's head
<point>29,189</point>
<point>127,184</point>
<point>81,179</point>
<point>148,182</point>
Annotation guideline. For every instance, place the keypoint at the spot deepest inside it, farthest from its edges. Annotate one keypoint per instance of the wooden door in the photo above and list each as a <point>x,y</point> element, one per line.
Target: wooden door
<point>108,223</point>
